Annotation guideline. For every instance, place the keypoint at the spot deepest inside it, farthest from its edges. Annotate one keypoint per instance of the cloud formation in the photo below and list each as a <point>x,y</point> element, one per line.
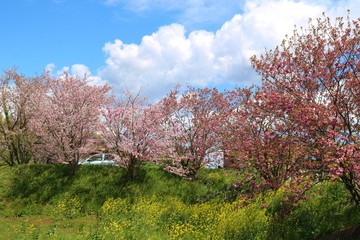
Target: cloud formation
<point>171,55</point>
<point>80,70</point>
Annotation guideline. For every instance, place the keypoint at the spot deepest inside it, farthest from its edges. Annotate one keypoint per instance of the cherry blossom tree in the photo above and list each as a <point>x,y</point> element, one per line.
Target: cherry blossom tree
<point>134,130</point>
<point>317,71</point>
<point>67,118</point>
<point>194,122</point>
<point>262,138</point>
<point>18,97</point>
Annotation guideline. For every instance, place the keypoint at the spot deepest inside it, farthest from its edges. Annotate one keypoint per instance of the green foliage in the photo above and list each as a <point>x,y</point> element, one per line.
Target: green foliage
<point>160,205</point>
<point>6,176</point>
<point>38,183</point>
<point>29,230</point>
<point>219,183</point>
<point>68,207</point>
<point>93,185</point>
<point>153,218</point>
<point>327,209</point>
<point>155,181</point>
<point>43,227</point>
<point>29,185</point>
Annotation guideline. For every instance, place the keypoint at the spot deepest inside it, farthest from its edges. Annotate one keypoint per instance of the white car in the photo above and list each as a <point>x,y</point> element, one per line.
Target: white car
<point>100,159</point>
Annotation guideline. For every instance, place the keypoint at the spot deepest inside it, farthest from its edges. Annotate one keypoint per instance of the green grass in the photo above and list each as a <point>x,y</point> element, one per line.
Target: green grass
<point>45,227</point>
<point>6,176</point>
<point>99,202</point>
<point>25,186</point>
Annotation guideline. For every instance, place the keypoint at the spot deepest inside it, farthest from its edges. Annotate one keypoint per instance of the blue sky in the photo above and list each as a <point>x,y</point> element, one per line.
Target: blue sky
<point>151,44</point>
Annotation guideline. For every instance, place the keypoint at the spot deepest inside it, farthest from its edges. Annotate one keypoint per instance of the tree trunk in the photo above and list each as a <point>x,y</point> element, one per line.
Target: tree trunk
<point>352,187</point>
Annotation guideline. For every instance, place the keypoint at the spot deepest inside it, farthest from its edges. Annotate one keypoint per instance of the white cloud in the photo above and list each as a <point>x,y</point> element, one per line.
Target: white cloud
<point>171,55</point>
<point>50,68</point>
<point>162,60</point>
<point>76,69</point>
<point>80,70</point>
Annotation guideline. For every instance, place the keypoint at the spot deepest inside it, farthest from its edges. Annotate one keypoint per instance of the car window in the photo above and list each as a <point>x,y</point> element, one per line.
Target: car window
<point>95,158</point>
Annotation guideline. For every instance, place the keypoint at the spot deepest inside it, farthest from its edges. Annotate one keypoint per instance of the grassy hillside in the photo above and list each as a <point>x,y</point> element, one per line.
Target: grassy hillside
<point>45,201</point>
<point>93,185</point>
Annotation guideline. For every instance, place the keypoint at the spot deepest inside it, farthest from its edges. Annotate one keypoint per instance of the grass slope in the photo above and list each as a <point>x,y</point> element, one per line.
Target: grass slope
<point>99,202</point>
